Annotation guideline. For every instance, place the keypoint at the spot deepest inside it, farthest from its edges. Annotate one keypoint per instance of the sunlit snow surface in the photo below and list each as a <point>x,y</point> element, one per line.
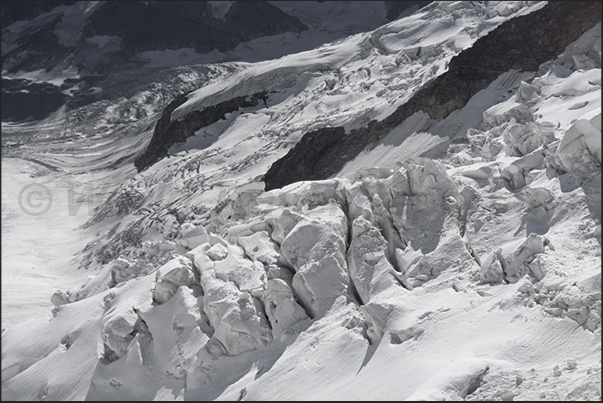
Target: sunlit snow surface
<point>457,259</point>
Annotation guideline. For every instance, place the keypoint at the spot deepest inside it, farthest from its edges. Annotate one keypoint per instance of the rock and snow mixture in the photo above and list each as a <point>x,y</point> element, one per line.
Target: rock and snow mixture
<point>475,275</point>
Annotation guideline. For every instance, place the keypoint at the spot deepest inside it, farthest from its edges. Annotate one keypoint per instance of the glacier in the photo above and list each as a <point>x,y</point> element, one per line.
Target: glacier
<point>456,258</point>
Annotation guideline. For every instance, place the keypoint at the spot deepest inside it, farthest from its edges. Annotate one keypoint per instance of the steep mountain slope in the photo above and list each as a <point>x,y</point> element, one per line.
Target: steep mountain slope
<point>456,257</point>
<point>54,53</point>
<point>331,87</point>
<point>514,45</point>
<point>98,122</point>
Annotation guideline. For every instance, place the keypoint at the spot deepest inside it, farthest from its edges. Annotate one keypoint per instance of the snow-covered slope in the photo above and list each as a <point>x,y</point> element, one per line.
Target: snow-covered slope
<point>455,259</point>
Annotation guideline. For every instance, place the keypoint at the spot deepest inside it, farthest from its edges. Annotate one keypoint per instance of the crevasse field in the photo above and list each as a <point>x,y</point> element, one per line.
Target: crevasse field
<point>457,259</point>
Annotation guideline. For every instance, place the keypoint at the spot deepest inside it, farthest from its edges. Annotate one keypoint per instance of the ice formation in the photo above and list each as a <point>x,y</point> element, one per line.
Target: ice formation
<point>459,261</point>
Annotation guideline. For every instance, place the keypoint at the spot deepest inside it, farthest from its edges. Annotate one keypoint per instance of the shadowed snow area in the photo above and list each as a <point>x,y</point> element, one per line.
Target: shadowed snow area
<point>453,259</point>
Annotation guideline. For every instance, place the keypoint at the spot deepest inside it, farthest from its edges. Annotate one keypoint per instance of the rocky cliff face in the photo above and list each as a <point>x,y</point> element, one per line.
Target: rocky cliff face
<point>522,43</point>
<point>168,133</point>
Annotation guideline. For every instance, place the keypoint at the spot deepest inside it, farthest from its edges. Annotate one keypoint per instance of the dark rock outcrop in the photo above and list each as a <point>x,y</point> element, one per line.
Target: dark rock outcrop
<point>22,99</point>
<point>161,25</point>
<point>522,43</point>
<point>133,27</point>
<point>168,133</point>
<point>393,9</point>
<point>13,11</point>
<point>106,42</point>
<point>311,150</point>
<point>247,20</point>
<point>35,50</point>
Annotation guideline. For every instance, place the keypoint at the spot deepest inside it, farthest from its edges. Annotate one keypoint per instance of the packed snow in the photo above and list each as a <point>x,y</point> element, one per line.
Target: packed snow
<point>457,259</point>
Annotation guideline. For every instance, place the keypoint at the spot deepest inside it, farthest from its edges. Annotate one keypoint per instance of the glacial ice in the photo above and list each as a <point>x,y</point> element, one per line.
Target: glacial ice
<point>432,278</point>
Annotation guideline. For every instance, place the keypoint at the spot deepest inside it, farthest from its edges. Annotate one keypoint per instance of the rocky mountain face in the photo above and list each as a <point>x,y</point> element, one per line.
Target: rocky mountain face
<point>168,132</point>
<point>13,11</point>
<point>98,39</point>
<point>23,99</point>
<point>142,27</point>
<point>522,43</point>
<point>395,9</point>
<point>133,27</point>
<point>108,34</point>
